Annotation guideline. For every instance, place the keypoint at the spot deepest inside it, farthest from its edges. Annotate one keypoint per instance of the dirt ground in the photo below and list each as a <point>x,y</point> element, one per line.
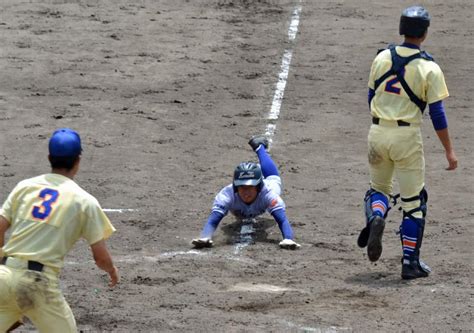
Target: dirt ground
<point>166,94</point>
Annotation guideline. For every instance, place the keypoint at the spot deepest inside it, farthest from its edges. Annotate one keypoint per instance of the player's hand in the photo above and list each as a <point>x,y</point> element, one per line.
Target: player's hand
<point>200,243</point>
<point>289,244</point>
<point>452,160</point>
<point>114,277</point>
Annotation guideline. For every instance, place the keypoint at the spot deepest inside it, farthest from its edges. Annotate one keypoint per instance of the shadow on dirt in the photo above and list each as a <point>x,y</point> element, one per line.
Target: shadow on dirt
<point>236,232</point>
<point>380,280</point>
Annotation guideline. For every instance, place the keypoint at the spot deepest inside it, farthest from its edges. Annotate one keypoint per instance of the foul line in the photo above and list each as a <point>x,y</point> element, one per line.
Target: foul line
<point>283,76</point>
<point>119,210</point>
<point>247,229</point>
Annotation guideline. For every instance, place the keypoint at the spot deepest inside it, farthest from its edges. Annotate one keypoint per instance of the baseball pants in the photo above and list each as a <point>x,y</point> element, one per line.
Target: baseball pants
<point>35,295</point>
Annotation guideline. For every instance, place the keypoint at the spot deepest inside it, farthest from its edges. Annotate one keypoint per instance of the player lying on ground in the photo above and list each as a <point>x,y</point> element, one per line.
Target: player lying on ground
<point>47,215</point>
<point>403,80</point>
<point>254,190</point>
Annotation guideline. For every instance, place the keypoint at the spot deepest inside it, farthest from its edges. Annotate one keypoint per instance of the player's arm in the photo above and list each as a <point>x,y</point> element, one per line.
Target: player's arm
<point>287,243</point>
<point>103,260</point>
<point>220,208</point>
<point>283,223</point>
<point>440,124</point>
<point>210,227</point>
<point>212,223</point>
<point>4,225</point>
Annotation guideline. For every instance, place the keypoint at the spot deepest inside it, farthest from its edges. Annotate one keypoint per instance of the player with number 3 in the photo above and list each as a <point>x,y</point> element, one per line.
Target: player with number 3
<point>47,215</point>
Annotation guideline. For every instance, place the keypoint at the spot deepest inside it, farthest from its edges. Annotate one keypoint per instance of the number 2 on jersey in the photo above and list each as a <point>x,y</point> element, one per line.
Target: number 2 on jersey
<point>390,86</point>
<point>49,197</point>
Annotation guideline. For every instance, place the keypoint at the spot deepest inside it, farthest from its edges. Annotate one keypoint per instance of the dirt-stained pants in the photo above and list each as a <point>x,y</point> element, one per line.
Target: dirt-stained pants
<point>35,295</point>
<point>397,149</point>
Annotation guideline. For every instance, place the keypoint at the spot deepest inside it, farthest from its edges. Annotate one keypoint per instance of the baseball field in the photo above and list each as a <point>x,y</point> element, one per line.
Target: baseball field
<point>166,94</point>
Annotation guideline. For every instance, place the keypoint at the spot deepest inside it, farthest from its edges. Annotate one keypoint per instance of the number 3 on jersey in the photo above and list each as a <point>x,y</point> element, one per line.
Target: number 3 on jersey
<point>49,197</point>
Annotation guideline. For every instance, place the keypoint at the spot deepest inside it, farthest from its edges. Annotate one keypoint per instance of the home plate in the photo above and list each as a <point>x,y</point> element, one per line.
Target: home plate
<point>260,288</point>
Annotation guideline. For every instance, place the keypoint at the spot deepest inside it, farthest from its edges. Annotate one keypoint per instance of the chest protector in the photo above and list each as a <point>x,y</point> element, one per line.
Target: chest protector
<point>398,66</point>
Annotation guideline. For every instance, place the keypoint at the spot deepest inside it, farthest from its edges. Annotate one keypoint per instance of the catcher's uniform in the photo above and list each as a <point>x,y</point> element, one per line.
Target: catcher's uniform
<point>395,141</point>
<point>48,214</point>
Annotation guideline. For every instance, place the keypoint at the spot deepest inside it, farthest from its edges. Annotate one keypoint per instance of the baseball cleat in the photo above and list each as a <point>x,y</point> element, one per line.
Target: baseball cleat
<point>363,238</point>
<point>413,269</point>
<point>200,243</point>
<point>258,140</point>
<point>374,244</point>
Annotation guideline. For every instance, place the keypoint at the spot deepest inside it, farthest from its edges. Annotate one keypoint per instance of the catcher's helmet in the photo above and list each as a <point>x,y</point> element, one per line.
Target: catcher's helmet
<point>414,21</point>
<point>248,173</point>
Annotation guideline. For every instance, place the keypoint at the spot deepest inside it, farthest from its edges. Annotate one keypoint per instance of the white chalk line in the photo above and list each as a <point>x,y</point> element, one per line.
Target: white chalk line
<point>119,210</point>
<point>261,288</point>
<point>246,235</point>
<point>283,76</point>
<point>137,258</point>
<point>330,329</point>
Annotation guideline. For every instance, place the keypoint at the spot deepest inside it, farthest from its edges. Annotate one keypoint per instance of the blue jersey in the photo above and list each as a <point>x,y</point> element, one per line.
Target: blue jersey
<point>268,199</point>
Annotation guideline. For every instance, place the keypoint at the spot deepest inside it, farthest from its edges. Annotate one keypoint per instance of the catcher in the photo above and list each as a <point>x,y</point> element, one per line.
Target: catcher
<point>403,81</point>
<point>254,190</point>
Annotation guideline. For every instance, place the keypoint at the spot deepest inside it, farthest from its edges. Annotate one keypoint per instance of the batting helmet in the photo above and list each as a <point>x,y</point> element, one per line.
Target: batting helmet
<point>414,21</point>
<point>248,174</point>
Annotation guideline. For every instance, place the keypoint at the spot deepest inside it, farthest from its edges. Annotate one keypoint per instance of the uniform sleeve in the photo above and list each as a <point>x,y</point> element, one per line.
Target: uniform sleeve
<point>212,223</point>
<point>372,76</point>
<point>97,225</point>
<point>274,202</point>
<point>223,200</point>
<point>7,208</point>
<point>436,85</point>
<point>283,224</point>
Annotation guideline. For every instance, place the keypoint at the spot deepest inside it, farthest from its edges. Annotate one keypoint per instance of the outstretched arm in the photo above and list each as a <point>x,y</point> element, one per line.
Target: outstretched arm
<point>212,223</point>
<point>283,223</point>
<point>287,243</point>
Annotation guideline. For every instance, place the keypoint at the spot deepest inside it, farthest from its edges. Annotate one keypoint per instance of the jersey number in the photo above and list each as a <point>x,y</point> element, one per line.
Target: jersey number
<point>390,86</point>
<point>49,197</point>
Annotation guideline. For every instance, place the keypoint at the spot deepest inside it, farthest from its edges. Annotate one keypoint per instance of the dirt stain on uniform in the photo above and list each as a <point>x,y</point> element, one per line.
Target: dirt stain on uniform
<point>374,156</point>
<point>31,286</point>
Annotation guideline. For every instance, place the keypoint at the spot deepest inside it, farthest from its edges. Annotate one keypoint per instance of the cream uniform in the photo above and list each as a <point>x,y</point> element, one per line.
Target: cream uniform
<point>391,101</point>
<point>392,146</point>
<point>47,214</point>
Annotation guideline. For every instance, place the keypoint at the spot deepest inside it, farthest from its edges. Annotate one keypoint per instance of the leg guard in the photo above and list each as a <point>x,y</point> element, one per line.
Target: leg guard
<point>411,233</point>
<point>412,228</point>
<point>375,204</point>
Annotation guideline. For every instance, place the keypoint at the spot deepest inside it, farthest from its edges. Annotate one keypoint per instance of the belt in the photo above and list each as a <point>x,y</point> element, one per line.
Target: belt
<point>376,121</point>
<point>32,265</point>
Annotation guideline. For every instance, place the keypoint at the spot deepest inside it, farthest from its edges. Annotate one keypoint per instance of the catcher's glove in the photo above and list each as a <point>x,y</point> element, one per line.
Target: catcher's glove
<point>200,243</point>
<point>289,244</point>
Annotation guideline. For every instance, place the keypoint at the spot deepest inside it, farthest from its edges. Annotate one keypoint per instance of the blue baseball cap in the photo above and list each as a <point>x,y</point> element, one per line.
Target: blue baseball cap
<point>65,142</point>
